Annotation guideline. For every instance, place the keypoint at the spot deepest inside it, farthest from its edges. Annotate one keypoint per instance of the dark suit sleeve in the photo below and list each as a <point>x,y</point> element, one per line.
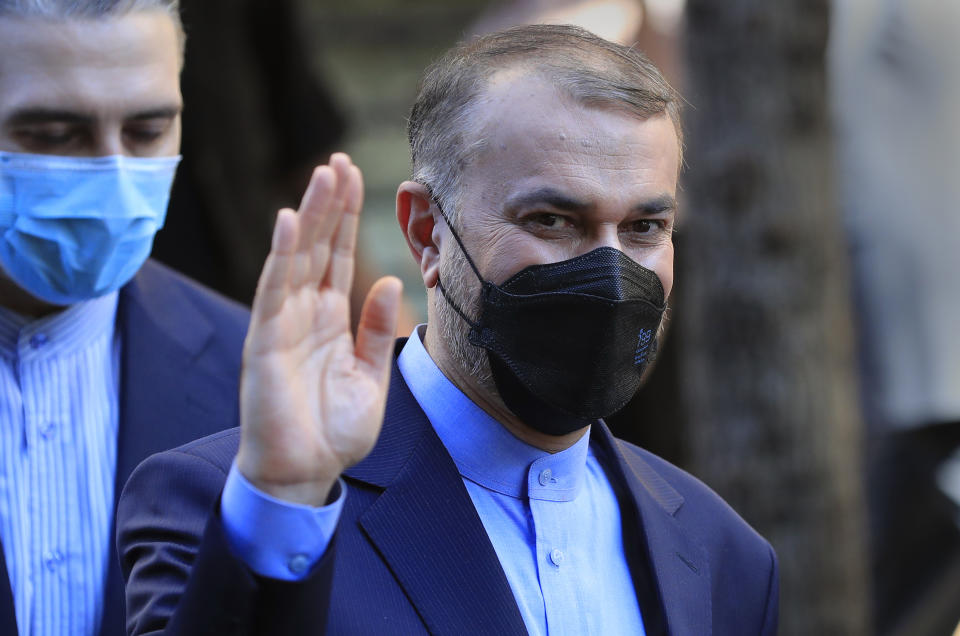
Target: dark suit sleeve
<point>181,576</point>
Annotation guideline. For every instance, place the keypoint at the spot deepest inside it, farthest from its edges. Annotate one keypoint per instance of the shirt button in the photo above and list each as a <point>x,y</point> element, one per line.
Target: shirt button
<point>49,430</point>
<point>298,564</point>
<point>37,340</point>
<point>546,477</point>
<point>52,559</point>
<point>556,556</point>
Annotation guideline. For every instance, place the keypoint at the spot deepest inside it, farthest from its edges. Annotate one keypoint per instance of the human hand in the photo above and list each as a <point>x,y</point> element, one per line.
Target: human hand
<point>312,399</point>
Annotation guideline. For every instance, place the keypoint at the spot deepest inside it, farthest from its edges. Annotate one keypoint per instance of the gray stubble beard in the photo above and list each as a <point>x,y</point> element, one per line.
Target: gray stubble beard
<point>455,274</point>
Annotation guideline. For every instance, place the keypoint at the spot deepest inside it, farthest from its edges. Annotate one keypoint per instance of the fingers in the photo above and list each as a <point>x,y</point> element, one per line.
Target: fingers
<point>378,327</point>
<point>321,212</point>
<point>340,273</point>
<point>315,210</point>
<point>319,207</point>
<point>272,286</point>
<point>317,243</point>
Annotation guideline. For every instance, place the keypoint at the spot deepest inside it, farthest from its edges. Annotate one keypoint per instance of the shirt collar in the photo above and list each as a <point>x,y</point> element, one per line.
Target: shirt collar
<point>76,327</point>
<point>483,450</point>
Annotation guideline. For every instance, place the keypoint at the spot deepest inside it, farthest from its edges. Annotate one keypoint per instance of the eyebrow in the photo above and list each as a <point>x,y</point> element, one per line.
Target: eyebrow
<point>657,205</point>
<point>557,199</point>
<point>41,115</point>
<point>550,196</point>
<point>163,112</point>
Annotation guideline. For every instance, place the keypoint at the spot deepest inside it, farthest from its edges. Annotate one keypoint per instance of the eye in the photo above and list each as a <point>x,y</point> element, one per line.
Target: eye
<point>647,226</point>
<point>549,220</point>
<point>146,132</point>
<point>48,138</point>
<point>644,230</point>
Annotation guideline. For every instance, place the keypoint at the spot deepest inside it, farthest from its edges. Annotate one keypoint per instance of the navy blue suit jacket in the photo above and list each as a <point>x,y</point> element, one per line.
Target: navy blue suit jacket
<point>179,373</point>
<point>410,554</point>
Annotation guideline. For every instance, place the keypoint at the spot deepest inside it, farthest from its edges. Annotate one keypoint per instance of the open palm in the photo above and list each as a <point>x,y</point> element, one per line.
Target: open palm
<point>312,399</point>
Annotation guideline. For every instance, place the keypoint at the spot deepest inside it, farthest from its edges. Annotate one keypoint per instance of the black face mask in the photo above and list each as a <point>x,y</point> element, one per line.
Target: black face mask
<point>568,342</point>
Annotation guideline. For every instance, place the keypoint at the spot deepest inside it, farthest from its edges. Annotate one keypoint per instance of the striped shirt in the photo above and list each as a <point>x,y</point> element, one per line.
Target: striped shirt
<point>58,453</point>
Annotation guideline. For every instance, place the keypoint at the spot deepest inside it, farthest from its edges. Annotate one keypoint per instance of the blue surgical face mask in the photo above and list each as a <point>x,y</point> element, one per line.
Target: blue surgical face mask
<point>74,228</point>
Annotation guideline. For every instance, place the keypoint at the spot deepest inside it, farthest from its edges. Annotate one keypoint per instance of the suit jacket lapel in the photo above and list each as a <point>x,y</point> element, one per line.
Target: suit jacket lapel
<point>165,394</point>
<point>680,565</point>
<point>8,616</point>
<point>425,526</point>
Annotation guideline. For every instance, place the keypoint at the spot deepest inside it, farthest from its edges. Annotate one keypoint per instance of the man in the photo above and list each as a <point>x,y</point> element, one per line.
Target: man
<point>102,362</point>
<point>494,500</point>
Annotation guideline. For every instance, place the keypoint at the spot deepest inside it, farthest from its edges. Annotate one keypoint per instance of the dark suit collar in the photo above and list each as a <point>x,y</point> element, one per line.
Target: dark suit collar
<point>425,526</point>
<point>641,472</point>
<point>681,569</point>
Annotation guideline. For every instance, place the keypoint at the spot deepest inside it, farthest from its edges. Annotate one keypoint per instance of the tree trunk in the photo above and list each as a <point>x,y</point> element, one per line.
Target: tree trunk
<point>767,360</point>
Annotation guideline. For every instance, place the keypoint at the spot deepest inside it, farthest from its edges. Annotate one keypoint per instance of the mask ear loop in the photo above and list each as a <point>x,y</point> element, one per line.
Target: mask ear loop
<point>463,249</point>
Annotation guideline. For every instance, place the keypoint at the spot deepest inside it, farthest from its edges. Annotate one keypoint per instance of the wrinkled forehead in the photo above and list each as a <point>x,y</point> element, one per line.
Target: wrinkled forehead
<point>93,66</point>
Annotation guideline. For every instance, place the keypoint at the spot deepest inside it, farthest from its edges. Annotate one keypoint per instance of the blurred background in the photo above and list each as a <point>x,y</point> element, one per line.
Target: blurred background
<point>812,371</point>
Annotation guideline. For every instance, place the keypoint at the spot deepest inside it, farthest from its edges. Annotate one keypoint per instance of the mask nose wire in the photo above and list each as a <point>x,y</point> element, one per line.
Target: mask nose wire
<point>463,249</point>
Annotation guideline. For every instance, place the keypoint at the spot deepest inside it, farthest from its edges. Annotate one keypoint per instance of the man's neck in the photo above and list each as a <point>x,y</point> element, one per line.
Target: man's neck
<point>14,298</point>
<point>488,400</point>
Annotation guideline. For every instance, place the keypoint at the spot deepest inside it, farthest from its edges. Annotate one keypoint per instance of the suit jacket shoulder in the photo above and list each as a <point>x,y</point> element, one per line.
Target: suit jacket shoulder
<point>724,560</point>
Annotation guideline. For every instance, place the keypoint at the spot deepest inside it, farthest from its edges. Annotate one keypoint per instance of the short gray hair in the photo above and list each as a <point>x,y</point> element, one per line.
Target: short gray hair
<point>90,9</point>
<point>589,69</point>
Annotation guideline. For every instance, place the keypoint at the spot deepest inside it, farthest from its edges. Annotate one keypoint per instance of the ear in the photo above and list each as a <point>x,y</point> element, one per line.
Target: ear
<point>416,215</point>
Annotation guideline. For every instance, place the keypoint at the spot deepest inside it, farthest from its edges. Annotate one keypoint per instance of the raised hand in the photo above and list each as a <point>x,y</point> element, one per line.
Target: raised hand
<point>312,399</point>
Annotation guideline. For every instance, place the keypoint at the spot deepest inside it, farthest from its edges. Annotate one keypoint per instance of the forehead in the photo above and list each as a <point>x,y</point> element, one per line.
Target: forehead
<point>90,66</point>
<point>528,130</point>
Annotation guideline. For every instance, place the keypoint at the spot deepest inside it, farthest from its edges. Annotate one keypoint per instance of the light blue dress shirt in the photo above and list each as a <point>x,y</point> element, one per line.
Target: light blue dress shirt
<point>553,519</point>
<point>275,538</point>
<point>58,454</point>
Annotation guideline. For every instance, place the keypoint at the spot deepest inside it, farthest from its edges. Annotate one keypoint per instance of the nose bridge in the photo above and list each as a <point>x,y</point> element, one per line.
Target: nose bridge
<point>606,235</point>
<point>107,138</point>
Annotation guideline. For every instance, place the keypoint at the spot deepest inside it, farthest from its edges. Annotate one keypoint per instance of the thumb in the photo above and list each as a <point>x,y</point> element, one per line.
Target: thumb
<point>378,328</point>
